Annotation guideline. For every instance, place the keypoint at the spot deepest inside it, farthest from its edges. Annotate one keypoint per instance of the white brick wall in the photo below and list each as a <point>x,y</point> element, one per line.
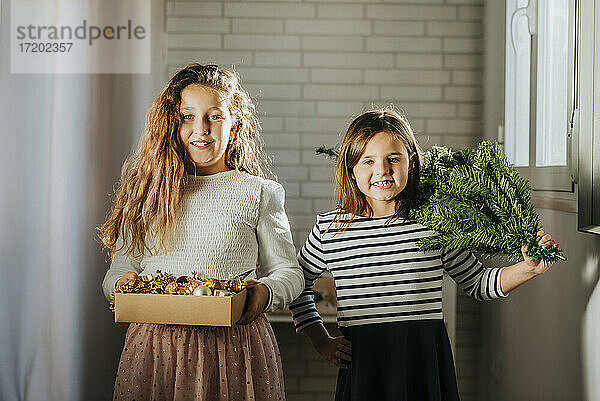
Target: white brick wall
<point>313,64</point>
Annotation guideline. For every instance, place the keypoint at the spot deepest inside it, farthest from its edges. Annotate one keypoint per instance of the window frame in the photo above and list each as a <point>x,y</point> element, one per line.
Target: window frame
<point>547,179</point>
<point>586,142</point>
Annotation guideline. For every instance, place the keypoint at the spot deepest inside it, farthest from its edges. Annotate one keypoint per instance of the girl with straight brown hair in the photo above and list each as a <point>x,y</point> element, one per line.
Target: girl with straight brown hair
<point>389,293</point>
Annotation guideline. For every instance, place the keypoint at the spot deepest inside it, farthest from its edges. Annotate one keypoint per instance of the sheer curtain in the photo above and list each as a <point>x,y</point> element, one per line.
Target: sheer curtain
<point>64,138</point>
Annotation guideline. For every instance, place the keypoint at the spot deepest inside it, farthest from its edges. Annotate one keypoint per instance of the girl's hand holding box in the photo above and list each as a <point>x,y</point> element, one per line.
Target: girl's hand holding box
<point>128,277</point>
<point>256,300</point>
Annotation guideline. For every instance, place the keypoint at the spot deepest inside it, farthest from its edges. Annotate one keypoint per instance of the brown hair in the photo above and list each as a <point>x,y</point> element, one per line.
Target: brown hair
<point>350,199</point>
<point>152,180</point>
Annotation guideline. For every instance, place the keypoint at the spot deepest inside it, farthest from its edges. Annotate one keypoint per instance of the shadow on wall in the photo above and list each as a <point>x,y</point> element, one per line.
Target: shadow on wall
<point>114,135</point>
<point>591,326</point>
<point>541,343</point>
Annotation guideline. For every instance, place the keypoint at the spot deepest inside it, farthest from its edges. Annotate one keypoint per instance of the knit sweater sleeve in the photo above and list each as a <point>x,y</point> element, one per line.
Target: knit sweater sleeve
<point>278,267</point>
<point>121,264</point>
<point>312,261</point>
<point>466,270</point>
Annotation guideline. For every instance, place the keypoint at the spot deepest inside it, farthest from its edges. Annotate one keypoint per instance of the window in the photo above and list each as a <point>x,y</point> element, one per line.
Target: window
<point>586,146</point>
<point>517,97</point>
<point>540,96</point>
<point>553,76</point>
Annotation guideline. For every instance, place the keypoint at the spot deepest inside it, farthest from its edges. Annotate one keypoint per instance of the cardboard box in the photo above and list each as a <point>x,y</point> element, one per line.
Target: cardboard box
<point>179,309</point>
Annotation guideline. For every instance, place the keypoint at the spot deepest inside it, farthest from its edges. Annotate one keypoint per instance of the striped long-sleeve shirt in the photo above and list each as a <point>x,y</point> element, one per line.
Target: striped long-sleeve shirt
<point>381,275</point>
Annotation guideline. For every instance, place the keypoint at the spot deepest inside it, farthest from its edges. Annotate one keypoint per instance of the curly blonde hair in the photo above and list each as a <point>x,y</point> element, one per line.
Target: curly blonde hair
<point>152,180</point>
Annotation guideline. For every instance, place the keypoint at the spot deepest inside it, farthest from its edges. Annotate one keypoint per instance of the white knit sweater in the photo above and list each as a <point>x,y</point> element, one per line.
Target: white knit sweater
<point>228,222</point>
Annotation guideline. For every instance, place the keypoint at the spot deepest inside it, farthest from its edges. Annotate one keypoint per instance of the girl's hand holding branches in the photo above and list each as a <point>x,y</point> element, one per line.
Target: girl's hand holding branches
<point>537,267</point>
<point>519,273</point>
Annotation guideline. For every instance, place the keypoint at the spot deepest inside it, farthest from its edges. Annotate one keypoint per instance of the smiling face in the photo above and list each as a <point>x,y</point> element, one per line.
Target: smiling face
<point>381,173</point>
<point>206,129</point>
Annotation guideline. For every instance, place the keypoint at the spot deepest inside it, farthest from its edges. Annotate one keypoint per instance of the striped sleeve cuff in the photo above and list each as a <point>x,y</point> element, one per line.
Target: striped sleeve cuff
<point>490,286</point>
<point>304,311</point>
<point>478,282</point>
<point>498,283</point>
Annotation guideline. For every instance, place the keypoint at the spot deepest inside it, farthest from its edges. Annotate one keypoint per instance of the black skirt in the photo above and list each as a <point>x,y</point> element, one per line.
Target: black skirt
<point>398,361</point>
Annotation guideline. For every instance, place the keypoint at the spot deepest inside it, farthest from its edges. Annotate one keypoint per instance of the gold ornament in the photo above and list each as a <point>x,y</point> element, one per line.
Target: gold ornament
<point>235,285</point>
<point>171,288</point>
<point>167,283</point>
<point>188,288</point>
<point>184,279</point>
<point>222,293</point>
<point>213,284</point>
<point>202,290</point>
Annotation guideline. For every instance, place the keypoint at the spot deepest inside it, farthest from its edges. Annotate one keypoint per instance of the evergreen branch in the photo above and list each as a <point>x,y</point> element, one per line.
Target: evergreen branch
<point>476,199</point>
<point>332,153</point>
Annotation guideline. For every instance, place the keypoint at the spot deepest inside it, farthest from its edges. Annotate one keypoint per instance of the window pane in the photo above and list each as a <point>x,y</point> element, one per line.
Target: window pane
<point>517,83</point>
<point>552,83</point>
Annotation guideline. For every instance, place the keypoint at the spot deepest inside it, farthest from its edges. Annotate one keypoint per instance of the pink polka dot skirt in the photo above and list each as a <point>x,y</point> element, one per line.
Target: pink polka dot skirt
<point>172,362</point>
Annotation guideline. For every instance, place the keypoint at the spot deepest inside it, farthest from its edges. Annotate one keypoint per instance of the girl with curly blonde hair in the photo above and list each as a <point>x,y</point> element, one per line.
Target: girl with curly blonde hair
<point>193,198</point>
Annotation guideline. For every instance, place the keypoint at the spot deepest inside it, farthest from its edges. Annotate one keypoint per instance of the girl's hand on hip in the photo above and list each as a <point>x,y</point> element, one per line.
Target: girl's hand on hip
<point>256,300</point>
<point>337,350</point>
<point>126,278</point>
<point>537,267</point>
